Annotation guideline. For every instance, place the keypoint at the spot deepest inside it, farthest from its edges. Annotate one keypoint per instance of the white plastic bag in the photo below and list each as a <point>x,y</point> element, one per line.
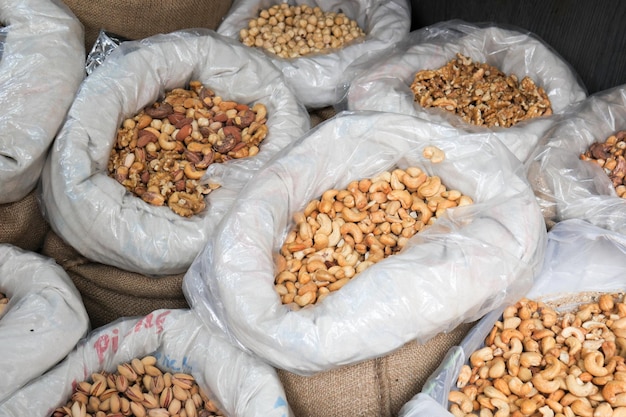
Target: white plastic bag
<point>241,385</point>
<point>382,81</point>
<point>579,257</point>
<point>43,321</point>
<point>42,57</point>
<point>567,187</point>
<point>94,213</point>
<point>315,77</point>
<point>489,250</point>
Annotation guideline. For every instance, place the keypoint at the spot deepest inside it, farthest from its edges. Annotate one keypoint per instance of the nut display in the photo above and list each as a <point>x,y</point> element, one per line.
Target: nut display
<point>138,388</point>
<point>480,93</point>
<point>294,31</point>
<point>4,301</point>
<point>610,156</point>
<point>161,153</point>
<point>346,231</point>
<point>542,361</point>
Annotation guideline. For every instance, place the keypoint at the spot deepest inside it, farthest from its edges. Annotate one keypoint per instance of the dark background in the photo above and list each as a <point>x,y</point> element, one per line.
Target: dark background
<point>590,35</point>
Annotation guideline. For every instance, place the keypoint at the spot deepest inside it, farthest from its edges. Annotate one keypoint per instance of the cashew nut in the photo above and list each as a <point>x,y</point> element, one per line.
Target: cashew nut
<point>576,387</point>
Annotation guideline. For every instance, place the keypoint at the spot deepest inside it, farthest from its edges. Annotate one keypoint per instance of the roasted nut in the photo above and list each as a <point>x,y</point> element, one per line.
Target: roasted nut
<point>558,370</point>
<point>346,231</point>
<point>609,155</point>
<point>480,93</point>
<point>93,399</point>
<point>170,144</point>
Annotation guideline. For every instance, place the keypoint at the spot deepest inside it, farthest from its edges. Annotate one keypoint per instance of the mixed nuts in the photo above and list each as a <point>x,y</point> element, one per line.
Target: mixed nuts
<point>346,231</point>
<point>480,93</point>
<point>138,388</point>
<point>161,153</point>
<point>610,156</point>
<point>293,31</point>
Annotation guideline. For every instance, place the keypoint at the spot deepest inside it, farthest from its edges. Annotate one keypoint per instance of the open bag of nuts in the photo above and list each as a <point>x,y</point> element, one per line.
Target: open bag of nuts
<point>139,182</point>
<point>42,316</point>
<point>578,169</point>
<point>563,360</point>
<point>312,42</point>
<point>41,66</point>
<point>500,78</point>
<point>157,365</point>
<point>349,304</point>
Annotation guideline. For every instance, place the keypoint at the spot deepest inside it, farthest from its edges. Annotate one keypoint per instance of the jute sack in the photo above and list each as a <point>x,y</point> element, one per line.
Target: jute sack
<point>110,293</point>
<point>137,19</point>
<point>22,224</point>
<point>373,388</point>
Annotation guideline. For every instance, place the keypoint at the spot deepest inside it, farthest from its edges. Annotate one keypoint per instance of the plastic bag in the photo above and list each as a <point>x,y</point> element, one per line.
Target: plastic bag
<point>314,77</point>
<point>41,66</point>
<point>579,257</point>
<point>489,249</point>
<point>43,321</point>
<point>93,212</point>
<point>238,383</point>
<point>382,81</point>
<point>567,187</point>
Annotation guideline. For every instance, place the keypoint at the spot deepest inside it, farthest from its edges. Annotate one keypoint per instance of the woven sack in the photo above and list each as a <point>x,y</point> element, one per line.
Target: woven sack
<point>137,19</point>
<point>110,293</point>
<point>373,388</point>
<point>22,224</point>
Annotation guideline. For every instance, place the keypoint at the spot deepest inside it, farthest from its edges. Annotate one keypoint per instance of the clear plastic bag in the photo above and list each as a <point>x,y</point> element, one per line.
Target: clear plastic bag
<point>568,187</point>
<point>42,322</point>
<point>93,212</point>
<point>489,249</point>
<point>42,59</point>
<point>579,257</point>
<point>241,385</point>
<point>314,77</point>
<point>382,81</point>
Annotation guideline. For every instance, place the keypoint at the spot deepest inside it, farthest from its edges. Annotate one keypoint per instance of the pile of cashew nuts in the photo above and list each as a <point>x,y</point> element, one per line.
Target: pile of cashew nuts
<point>610,156</point>
<point>346,231</point>
<point>539,362</point>
<point>161,153</point>
<point>294,31</point>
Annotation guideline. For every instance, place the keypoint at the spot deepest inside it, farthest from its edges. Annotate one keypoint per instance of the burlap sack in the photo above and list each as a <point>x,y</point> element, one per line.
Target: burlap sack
<point>138,19</point>
<point>22,224</point>
<point>110,293</point>
<point>374,388</point>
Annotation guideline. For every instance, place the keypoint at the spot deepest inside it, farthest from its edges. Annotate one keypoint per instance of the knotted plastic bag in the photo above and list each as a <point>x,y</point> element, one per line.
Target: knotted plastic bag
<point>43,320</point>
<point>489,249</point>
<point>239,384</point>
<point>579,258</point>
<point>568,187</point>
<point>95,214</point>
<point>383,81</point>
<point>41,66</point>
<point>315,77</point>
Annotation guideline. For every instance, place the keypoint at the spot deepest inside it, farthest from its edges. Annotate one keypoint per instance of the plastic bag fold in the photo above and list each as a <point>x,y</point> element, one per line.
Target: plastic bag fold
<point>42,322</point>
<point>568,187</point>
<point>238,383</point>
<point>314,77</point>
<point>42,58</point>
<point>95,214</point>
<point>490,249</point>
<point>382,81</point>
